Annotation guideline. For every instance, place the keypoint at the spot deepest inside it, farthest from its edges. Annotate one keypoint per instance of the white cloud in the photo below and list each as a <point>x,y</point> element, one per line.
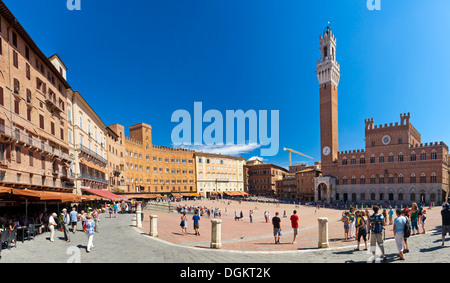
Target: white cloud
<point>256,158</point>
<point>233,149</point>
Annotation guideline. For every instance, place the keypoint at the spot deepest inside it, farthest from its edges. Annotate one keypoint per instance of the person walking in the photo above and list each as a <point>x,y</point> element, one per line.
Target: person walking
<point>266,216</point>
<point>377,223</point>
<point>64,223</point>
<point>445,214</point>
<point>74,219</point>
<point>406,236</point>
<point>196,219</point>
<point>351,218</point>
<point>90,226</point>
<point>96,218</point>
<point>276,222</point>
<point>362,229</point>
<point>183,224</point>
<point>399,230</point>
<point>52,225</point>
<point>294,224</point>
<point>251,216</point>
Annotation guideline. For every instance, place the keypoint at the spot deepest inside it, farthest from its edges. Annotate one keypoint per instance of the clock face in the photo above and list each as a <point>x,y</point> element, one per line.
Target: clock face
<point>386,140</point>
<point>326,151</point>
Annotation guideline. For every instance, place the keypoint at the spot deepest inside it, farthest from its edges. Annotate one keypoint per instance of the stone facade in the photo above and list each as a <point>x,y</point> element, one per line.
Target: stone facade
<point>262,177</point>
<point>395,165</point>
<point>115,146</point>
<point>34,148</point>
<point>157,169</point>
<point>217,174</point>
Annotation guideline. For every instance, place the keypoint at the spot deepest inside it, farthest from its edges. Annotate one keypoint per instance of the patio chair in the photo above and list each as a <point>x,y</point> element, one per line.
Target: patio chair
<point>31,231</point>
<point>4,238</point>
<point>11,237</point>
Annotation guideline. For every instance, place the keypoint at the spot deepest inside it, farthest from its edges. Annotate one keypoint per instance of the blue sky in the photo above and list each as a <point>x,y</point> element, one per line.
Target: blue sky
<point>252,54</point>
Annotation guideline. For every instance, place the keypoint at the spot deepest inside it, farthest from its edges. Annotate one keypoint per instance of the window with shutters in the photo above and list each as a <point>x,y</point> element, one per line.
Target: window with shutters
<point>15,59</point>
<point>17,107</point>
<point>41,121</point>
<point>2,101</point>
<point>52,128</point>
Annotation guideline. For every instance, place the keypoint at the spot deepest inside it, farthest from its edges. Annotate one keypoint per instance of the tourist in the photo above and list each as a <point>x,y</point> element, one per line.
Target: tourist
<point>405,237</point>
<point>276,222</point>
<point>64,223</point>
<point>83,218</point>
<point>445,213</point>
<point>90,226</point>
<point>95,216</point>
<point>52,225</point>
<point>351,219</point>
<point>183,224</point>
<point>345,219</point>
<point>361,227</point>
<point>294,224</point>
<point>391,215</point>
<point>196,219</point>
<point>414,219</point>
<point>266,216</point>
<point>115,210</point>
<point>399,229</point>
<point>110,209</point>
<point>251,216</point>
<point>423,219</point>
<point>74,219</point>
<point>377,222</point>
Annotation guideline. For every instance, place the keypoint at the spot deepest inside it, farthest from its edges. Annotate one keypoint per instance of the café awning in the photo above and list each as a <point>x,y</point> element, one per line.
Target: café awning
<point>105,194</point>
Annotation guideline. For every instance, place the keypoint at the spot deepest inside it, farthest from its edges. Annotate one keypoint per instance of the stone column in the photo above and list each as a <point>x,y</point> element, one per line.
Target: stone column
<point>138,216</point>
<point>216,231</point>
<point>323,233</point>
<point>153,225</point>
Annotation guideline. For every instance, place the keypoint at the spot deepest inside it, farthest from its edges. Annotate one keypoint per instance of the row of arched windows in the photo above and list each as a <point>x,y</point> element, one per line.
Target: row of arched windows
<point>390,158</point>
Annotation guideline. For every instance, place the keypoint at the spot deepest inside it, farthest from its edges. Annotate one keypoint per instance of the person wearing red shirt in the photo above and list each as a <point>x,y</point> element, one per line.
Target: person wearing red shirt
<point>294,222</point>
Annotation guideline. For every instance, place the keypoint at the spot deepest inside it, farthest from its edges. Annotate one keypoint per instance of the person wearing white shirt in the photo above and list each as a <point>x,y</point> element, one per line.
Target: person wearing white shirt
<point>52,225</point>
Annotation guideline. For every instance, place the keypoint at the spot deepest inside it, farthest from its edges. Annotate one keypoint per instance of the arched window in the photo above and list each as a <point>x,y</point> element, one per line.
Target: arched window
<point>362,180</point>
<point>423,178</point>
<point>400,179</point>
<point>433,178</point>
<point>400,157</point>
<point>433,154</point>
<point>391,179</point>
<point>353,180</point>
<point>413,178</point>
<point>353,161</point>
<point>372,179</point>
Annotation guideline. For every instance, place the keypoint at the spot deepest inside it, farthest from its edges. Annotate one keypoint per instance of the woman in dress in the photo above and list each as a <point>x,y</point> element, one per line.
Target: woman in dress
<point>184,224</point>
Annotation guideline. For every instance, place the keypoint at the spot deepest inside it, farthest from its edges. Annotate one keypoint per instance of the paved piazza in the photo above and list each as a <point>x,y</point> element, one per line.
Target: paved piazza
<point>119,241</point>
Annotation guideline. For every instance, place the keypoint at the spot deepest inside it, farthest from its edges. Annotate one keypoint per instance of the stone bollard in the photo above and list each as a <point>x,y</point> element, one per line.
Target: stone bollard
<point>153,225</point>
<point>323,233</point>
<point>138,218</point>
<point>216,231</point>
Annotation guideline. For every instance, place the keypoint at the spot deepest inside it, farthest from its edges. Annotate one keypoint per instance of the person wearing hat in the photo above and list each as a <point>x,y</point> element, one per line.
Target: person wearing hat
<point>445,213</point>
<point>52,225</point>
<point>65,222</point>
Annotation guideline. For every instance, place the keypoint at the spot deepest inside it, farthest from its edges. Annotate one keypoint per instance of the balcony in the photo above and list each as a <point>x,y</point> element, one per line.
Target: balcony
<point>93,178</point>
<point>52,104</point>
<point>89,152</point>
<point>28,141</point>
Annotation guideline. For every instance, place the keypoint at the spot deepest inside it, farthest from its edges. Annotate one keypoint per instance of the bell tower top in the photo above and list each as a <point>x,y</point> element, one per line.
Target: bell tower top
<point>328,69</point>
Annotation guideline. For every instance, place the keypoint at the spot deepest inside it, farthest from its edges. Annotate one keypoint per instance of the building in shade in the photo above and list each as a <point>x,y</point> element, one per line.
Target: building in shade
<point>261,178</point>
<point>218,174</point>
<point>34,147</point>
<point>394,167</point>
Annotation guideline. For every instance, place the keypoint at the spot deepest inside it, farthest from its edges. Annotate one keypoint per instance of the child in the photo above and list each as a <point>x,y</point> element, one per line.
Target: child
<point>346,220</point>
<point>424,217</point>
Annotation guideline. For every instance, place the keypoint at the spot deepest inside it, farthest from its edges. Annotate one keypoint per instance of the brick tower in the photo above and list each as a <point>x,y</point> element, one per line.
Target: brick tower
<point>328,74</point>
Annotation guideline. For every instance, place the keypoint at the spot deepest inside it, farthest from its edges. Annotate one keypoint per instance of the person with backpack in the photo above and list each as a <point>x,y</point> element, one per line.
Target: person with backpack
<point>407,232</point>
<point>399,232</point>
<point>377,224</point>
<point>361,228</point>
<point>445,213</point>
